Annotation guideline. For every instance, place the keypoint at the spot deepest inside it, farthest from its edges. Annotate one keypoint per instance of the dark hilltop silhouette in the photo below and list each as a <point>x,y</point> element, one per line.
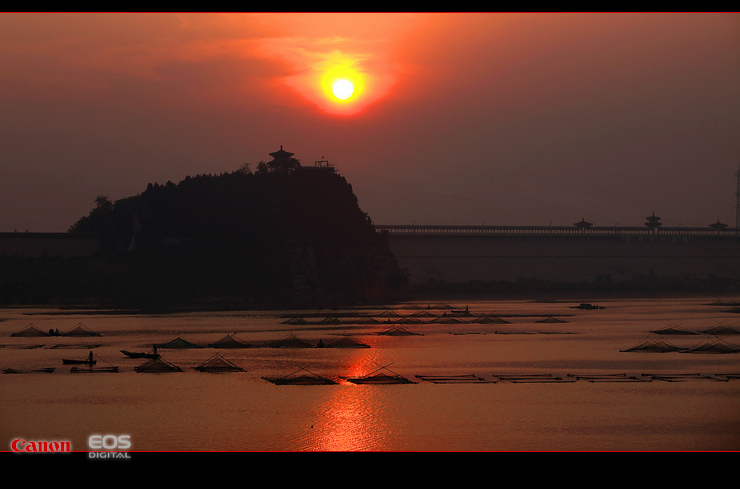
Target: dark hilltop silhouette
<point>284,235</point>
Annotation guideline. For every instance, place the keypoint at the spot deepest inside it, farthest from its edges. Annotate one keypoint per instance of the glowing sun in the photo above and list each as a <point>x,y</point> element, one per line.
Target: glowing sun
<point>342,89</point>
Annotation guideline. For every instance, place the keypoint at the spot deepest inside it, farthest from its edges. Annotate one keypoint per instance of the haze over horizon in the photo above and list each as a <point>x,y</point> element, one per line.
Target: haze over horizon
<point>456,118</point>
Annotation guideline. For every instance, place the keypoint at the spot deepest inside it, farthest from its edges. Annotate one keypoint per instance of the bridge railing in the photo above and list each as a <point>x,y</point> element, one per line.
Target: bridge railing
<point>440,230</point>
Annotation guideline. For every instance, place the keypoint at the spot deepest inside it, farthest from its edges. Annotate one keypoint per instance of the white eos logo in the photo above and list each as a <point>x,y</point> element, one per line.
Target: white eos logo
<point>109,442</point>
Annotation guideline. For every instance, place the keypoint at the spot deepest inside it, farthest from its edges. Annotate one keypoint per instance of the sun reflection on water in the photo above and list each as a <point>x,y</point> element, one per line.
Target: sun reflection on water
<point>353,420</point>
<point>353,417</point>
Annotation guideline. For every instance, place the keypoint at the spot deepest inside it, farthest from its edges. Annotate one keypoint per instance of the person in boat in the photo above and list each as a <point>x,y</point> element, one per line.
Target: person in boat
<point>154,349</point>
<point>90,357</point>
<point>320,344</point>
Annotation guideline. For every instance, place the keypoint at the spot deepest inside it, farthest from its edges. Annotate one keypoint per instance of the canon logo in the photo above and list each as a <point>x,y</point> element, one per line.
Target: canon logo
<point>109,442</point>
<point>20,445</point>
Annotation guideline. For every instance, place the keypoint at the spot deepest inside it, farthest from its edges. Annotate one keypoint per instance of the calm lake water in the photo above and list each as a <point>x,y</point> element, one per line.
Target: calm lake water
<point>442,411</point>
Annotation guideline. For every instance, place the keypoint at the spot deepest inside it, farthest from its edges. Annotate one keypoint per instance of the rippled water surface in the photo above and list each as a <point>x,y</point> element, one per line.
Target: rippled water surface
<point>441,411</point>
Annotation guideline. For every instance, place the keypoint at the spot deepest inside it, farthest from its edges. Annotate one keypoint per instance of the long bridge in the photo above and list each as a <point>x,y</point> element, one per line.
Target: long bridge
<point>553,256</point>
<point>441,230</point>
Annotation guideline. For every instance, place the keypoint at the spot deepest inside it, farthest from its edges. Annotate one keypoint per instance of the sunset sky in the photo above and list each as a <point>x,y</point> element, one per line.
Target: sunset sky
<point>455,118</point>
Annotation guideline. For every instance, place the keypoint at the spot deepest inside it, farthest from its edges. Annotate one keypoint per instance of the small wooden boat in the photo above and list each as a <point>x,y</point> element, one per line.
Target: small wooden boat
<point>45,370</point>
<point>93,370</point>
<point>67,361</point>
<point>132,354</point>
<point>465,311</point>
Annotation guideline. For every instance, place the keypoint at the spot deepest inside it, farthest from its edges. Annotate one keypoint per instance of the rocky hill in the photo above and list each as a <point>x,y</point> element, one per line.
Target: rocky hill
<point>295,238</point>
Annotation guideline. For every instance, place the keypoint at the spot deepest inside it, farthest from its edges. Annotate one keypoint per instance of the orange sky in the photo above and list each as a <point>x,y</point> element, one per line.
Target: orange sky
<point>495,118</point>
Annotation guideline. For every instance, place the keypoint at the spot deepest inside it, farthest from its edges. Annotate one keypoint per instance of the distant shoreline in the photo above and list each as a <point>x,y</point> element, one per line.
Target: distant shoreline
<point>728,299</point>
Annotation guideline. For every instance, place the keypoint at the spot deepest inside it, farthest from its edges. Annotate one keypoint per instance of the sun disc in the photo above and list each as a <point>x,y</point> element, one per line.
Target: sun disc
<point>342,89</point>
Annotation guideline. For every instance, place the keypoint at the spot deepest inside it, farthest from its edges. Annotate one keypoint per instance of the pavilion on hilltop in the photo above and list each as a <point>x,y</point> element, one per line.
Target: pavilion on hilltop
<point>284,162</point>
